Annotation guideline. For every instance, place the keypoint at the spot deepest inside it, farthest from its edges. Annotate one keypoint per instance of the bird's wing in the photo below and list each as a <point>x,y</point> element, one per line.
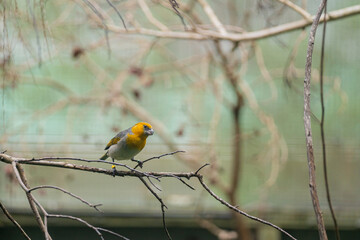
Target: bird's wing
<point>117,138</point>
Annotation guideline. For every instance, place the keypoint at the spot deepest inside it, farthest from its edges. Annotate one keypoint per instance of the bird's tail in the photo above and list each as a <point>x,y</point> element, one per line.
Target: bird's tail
<point>104,157</point>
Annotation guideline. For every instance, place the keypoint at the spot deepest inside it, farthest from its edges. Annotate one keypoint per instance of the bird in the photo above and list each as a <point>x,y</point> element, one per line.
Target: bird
<point>128,143</point>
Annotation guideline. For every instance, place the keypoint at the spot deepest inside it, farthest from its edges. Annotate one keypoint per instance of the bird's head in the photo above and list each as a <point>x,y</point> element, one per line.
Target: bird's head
<point>142,129</point>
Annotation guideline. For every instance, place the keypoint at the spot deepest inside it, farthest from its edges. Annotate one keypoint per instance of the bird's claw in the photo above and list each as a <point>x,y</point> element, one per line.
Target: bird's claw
<point>140,163</point>
<point>114,170</point>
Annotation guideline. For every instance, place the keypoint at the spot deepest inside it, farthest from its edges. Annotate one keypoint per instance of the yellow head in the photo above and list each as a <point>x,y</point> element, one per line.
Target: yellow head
<point>142,129</point>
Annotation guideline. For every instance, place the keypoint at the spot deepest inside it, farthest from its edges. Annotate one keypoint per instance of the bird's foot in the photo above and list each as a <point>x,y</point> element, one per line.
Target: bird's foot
<point>114,170</point>
<point>140,163</point>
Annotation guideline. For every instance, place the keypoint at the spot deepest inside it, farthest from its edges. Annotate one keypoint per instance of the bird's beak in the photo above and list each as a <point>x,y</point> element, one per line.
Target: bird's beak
<point>150,132</point>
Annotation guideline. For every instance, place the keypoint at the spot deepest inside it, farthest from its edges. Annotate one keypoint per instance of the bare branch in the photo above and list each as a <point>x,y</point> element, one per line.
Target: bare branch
<point>42,162</point>
<point>16,162</point>
<point>221,234</point>
<point>20,176</point>
<point>42,11</point>
<point>238,37</point>
<point>111,232</point>
<point>132,173</point>
<point>159,189</point>
<point>69,193</point>
<point>8,215</point>
<point>322,128</point>
<point>163,206</point>
<point>117,12</point>
<point>145,8</point>
<point>93,8</point>
<point>236,113</point>
<point>288,71</point>
<point>158,157</point>
<point>307,125</point>
<point>212,16</point>
<point>79,220</point>
<point>297,9</point>
<point>239,211</point>
<point>175,6</point>
<point>35,26</point>
<point>264,71</point>
<point>96,229</point>
<point>197,171</point>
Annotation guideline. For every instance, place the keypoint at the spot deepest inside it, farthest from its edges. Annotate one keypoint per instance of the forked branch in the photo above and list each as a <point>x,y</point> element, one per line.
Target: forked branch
<point>183,177</point>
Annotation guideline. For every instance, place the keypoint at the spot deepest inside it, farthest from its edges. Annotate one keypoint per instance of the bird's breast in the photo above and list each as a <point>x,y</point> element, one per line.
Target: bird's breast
<point>134,141</point>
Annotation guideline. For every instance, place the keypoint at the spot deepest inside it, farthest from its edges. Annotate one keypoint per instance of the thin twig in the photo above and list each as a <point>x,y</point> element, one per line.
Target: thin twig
<point>69,193</point>
<point>175,6</point>
<point>221,234</point>
<point>288,73</point>
<point>202,34</point>
<point>117,12</point>
<point>239,211</point>
<point>212,16</point>
<point>145,8</point>
<point>206,164</point>
<point>307,126</point>
<point>31,10</point>
<point>178,178</point>
<point>8,215</point>
<point>160,156</point>
<point>233,77</point>
<point>79,220</point>
<point>322,129</point>
<point>297,9</point>
<point>42,11</point>
<point>159,189</point>
<point>106,29</point>
<point>111,232</point>
<point>163,206</point>
<point>20,176</point>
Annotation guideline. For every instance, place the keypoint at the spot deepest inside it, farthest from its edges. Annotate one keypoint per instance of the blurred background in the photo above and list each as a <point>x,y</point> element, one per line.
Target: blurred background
<point>72,77</point>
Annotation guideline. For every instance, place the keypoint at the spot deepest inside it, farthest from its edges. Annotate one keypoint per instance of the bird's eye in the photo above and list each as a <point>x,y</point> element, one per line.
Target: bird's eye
<point>146,127</point>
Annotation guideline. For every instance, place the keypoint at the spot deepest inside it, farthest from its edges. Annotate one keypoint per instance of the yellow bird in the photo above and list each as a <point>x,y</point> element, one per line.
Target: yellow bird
<point>128,143</point>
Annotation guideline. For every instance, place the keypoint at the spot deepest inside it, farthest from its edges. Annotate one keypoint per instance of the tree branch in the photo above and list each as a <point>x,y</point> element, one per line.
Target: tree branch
<point>16,163</point>
<point>96,229</point>
<point>145,8</point>
<point>175,6</point>
<point>8,215</point>
<point>34,203</point>
<point>297,9</point>
<point>202,34</point>
<point>69,193</point>
<point>117,12</point>
<point>241,212</point>
<point>20,176</point>
<point>212,16</point>
<point>322,128</point>
<point>163,206</point>
<point>307,125</point>
<point>158,157</point>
